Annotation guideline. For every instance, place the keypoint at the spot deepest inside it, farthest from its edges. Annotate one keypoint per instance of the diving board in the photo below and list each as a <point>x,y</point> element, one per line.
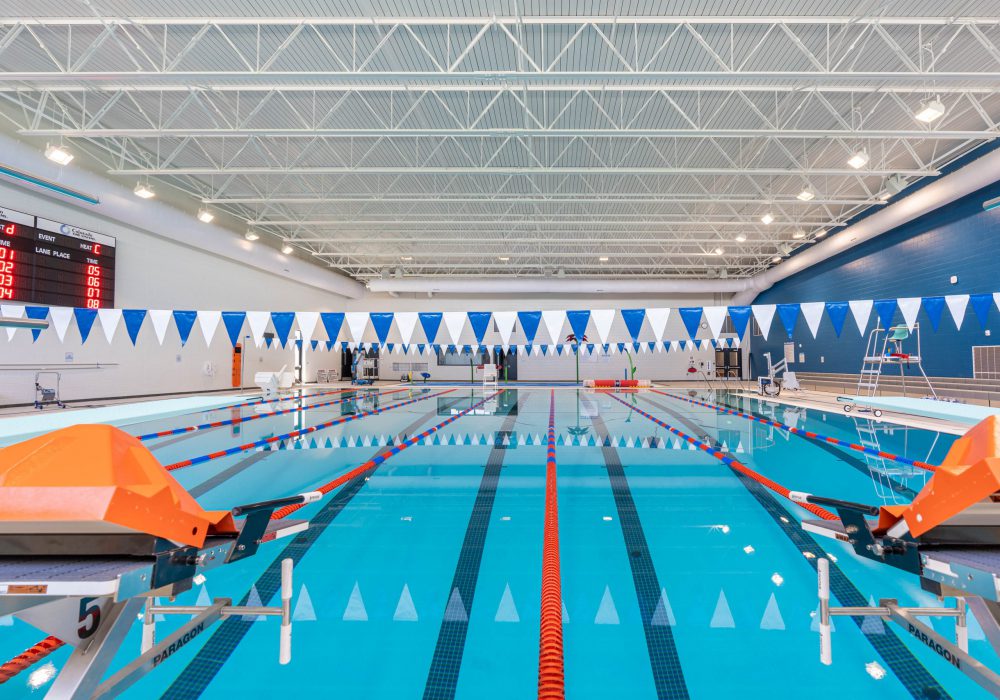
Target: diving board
<point>927,408</point>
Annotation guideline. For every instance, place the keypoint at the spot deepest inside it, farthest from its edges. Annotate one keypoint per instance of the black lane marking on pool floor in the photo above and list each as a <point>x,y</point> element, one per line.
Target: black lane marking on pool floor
<point>668,675</point>
<point>226,474</point>
<point>914,676</point>
<point>194,679</point>
<point>442,677</point>
<point>840,453</point>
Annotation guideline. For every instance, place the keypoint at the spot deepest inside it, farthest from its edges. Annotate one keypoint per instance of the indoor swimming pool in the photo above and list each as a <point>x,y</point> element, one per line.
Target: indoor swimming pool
<point>421,573</point>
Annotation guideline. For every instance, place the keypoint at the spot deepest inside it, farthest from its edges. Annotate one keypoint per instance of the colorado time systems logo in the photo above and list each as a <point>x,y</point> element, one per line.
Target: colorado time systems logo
<point>77,232</point>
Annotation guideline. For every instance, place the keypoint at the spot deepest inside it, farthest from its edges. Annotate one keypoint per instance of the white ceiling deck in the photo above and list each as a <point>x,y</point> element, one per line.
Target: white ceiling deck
<point>434,139</point>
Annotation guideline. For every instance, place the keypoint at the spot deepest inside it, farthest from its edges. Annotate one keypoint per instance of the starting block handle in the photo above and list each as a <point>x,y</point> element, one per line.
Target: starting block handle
<point>285,641</point>
<point>825,640</point>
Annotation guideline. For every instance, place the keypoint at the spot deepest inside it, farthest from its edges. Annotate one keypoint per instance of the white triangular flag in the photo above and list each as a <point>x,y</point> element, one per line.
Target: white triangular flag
<point>603,318</point>
<point>910,306</point>
<point>109,322</point>
<point>862,311</point>
<point>60,316</point>
<point>554,320</point>
<point>715,316</point>
<point>406,321</point>
<point>12,311</point>
<point>160,318</point>
<point>209,322</point>
<point>956,305</point>
<point>658,321</point>
<point>307,325</point>
<point>505,325</point>
<point>813,312</point>
<point>454,321</point>
<point>764,314</point>
<point>356,323</point>
<point>258,324</point>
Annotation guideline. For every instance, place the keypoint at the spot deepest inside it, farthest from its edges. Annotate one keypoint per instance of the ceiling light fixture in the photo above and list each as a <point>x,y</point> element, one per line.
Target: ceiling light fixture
<point>504,258</point>
<point>287,249</point>
<point>144,190</point>
<point>251,235</point>
<point>894,184</point>
<point>767,218</point>
<point>603,258</point>
<point>799,233</point>
<point>776,259</point>
<point>821,233</point>
<point>929,111</point>
<point>718,251</point>
<point>58,154</point>
<point>406,258</point>
<point>205,215</point>
<point>740,237</point>
<point>858,160</point>
<point>806,195</point>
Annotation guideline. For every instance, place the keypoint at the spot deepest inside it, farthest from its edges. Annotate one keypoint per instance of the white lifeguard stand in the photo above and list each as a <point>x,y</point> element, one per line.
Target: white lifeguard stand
<point>490,377</point>
<point>271,382</point>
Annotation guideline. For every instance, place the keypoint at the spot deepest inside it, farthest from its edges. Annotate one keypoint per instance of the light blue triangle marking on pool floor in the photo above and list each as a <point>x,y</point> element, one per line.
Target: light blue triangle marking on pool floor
<point>723,616</point>
<point>253,601</point>
<point>6,621</point>
<point>507,611</point>
<point>455,610</point>
<point>814,625</point>
<point>872,625</point>
<point>663,616</point>
<point>607,613</point>
<point>355,610</point>
<point>565,614</point>
<point>772,619</point>
<point>406,611</point>
<point>304,610</point>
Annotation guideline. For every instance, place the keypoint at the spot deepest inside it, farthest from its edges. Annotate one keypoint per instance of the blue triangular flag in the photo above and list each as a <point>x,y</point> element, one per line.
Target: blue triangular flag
<point>578,321</point>
<point>185,322</point>
<point>981,304</point>
<point>621,347</point>
<point>651,345</point>
<point>133,322</point>
<point>85,321</point>
<point>697,343</point>
<point>38,313</point>
<point>430,322</point>
<point>666,346</point>
<point>529,321</point>
<point>282,321</point>
<point>740,316</point>
<point>234,324</point>
<point>886,310</point>
<point>332,322</point>
<point>545,349</point>
<point>314,344</point>
<point>268,340</point>
<point>692,319</point>
<point>789,315</point>
<point>633,319</point>
<point>420,348</point>
<point>330,344</point>
<point>389,347</point>
<point>382,322</point>
<point>837,311</point>
<point>933,306</point>
<point>480,321</point>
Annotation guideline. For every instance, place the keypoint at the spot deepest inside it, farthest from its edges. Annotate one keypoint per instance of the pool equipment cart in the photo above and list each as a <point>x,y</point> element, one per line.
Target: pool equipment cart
<point>92,529</point>
<point>949,536</point>
<point>900,346</point>
<point>47,395</point>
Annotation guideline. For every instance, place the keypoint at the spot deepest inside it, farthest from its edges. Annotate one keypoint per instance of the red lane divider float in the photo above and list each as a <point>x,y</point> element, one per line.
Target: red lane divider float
<point>297,433</point>
<point>551,673</point>
<point>805,433</point>
<point>258,416</point>
<point>731,462</point>
<point>375,461</point>
<point>29,657</point>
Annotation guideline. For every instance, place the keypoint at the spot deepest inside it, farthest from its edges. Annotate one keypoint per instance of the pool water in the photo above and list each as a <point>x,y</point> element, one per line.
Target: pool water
<point>422,577</point>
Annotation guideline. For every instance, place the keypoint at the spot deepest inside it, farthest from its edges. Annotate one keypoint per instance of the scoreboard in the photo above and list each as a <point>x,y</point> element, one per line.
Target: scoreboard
<point>54,264</point>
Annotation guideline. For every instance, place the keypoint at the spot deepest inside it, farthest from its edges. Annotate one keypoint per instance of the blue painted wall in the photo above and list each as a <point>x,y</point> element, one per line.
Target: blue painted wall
<point>914,260</point>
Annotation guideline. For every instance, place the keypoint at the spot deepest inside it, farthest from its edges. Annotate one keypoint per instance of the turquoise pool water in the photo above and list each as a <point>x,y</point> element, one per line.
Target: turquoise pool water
<point>422,578</point>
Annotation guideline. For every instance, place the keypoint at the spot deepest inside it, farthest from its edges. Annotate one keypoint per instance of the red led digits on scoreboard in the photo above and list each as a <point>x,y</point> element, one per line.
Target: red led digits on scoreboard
<point>7,267</point>
<point>94,286</point>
